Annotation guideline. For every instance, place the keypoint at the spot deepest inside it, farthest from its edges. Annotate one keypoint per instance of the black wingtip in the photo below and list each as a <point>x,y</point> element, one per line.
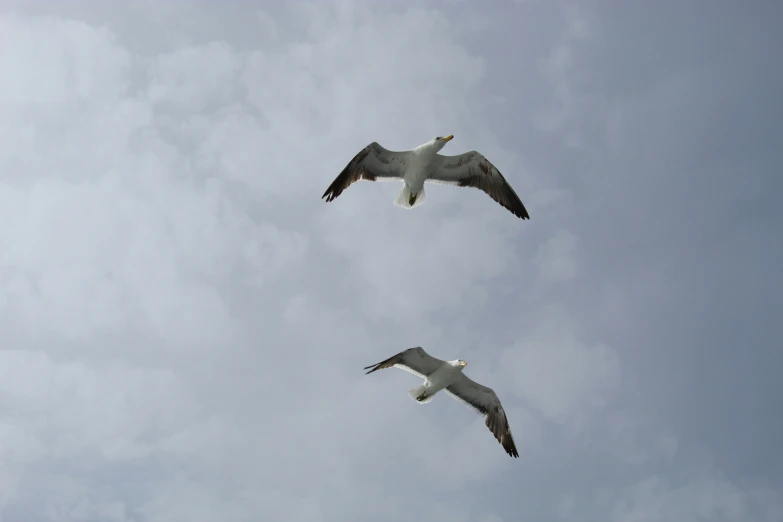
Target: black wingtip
<point>510,447</point>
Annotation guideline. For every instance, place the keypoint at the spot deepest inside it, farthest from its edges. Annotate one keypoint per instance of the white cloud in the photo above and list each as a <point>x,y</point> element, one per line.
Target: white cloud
<point>655,499</point>
<point>565,378</point>
<point>74,62</point>
<point>555,259</point>
<point>149,255</point>
<point>557,67</point>
<point>193,78</point>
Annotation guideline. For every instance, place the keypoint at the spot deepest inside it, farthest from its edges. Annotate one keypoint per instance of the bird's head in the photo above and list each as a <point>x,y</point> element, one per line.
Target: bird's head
<point>440,142</point>
<point>461,363</point>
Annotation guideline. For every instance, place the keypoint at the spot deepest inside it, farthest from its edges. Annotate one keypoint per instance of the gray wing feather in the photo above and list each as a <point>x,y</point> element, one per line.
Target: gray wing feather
<point>372,163</point>
<point>486,402</point>
<point>413,360</point>
<point>472,169</point>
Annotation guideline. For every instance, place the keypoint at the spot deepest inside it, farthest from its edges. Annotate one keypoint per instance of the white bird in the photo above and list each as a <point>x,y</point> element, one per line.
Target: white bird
<point>447,375</point>
<point>414,167</point>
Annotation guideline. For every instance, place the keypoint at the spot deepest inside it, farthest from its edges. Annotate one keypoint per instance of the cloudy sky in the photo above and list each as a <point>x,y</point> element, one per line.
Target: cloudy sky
<point>184,322</point>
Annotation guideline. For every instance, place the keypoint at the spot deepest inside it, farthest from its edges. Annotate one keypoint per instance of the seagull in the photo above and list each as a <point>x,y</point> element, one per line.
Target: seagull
<point>447,375</point>
<point>414,167</point>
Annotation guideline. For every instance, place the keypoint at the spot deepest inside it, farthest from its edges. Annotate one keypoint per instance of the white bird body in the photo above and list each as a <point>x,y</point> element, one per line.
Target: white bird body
<point>447,375</point>
<point>419,166</point>
<point>422,164</point>
<point>438,380</point>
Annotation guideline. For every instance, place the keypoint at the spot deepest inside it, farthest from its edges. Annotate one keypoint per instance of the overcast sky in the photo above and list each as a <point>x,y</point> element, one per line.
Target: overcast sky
<point>184,321</point>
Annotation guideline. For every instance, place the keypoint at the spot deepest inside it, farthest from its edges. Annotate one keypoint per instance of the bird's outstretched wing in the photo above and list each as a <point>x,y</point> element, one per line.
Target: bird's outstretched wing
<point>413,360</point>
<point>472,169</point>
<point>486,402</point>
<point>372,163</point>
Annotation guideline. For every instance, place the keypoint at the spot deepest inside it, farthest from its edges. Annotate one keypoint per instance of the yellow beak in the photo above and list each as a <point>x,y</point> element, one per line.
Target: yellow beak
<point>449,137</point>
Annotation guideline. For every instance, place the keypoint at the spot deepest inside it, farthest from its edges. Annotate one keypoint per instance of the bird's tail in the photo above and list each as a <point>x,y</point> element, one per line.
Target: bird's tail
<point>406,199</point>
<point>420,395</point>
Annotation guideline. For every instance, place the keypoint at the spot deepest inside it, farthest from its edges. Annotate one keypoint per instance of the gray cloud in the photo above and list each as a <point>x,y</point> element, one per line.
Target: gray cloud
<point>185,322</point>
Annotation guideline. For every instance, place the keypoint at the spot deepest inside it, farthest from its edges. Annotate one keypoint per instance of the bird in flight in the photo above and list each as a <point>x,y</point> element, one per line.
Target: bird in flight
<point>447,375</point>
<point>422,164</point>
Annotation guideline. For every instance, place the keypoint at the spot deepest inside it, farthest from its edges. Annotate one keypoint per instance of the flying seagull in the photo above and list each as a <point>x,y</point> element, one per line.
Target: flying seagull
<point>414,167</point>
<point>447,375</point>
